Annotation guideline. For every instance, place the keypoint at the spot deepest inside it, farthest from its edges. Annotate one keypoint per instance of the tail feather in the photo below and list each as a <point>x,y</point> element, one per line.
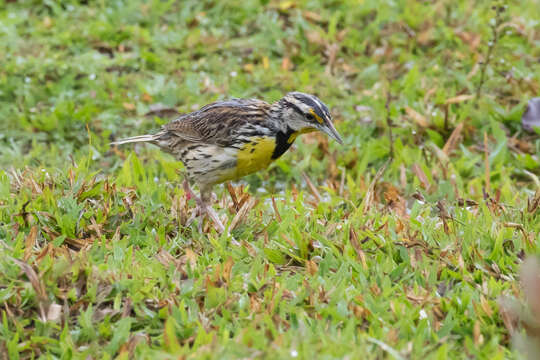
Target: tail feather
<point>134,139</point>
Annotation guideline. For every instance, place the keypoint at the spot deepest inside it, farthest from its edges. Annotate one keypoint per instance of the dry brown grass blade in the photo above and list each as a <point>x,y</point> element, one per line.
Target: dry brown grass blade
<point>249,248</point>
<point>95,226</point>
<point>418,118</point>
<point>132,342</point>
<point>521,228</point>
<point>402,176</point>
<point>458,99</point>
<point>179,209</point>
<point>289,241</point>
<point>241,214</point>
<point>286,64</point>
<point>29,242</point>
<point>192,257</point>
<point>37,285</point>
<point>353,238</point>
<point>453,139</point>
<point>395,201</point>
<point>486,307</point>
<point>16,178</point>
<point>478,338</point>
<point>370,193</point>
<point>245,197</point>
<point>421,176</point>
<point>86,186</point>
<point>312,187</point>
<point>312,16</point>
<point>78,244</point>
<point>232,193</point>
<point>49,248</point>
<point>227,269</point>
<point>274,205</point>
<point>36,188</point>
<point>311,267</point>
<point>166,259</point>
<point>533,203</point>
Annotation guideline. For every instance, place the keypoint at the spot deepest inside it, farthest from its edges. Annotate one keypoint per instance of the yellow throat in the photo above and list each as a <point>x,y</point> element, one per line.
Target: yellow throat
<point>255,155</point>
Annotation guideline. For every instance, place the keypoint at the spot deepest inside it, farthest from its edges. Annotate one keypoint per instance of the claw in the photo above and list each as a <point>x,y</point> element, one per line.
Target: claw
<point>214,216</point>
<point>202,210</point>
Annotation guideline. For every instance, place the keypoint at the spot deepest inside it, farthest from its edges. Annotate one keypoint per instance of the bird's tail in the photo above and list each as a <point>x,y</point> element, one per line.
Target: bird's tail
<point>134,139</point>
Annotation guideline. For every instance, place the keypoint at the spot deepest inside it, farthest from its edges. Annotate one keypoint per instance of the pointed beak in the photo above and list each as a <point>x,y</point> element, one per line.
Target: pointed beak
<point>329,129</point>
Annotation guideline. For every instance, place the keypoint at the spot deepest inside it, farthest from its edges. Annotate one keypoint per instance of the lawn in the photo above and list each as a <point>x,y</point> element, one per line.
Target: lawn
<point>405,242</point>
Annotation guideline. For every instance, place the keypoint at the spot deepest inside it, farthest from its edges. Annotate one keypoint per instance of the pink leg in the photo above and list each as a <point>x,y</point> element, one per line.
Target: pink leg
<point>203,205</point>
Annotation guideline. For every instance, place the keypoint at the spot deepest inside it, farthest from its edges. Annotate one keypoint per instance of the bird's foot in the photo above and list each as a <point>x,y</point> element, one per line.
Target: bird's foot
<point>202,210</point>
<point>212,214</point>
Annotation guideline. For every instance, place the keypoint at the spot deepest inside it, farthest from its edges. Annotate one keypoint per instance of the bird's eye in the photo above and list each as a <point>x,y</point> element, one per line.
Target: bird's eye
<point>310,117</point>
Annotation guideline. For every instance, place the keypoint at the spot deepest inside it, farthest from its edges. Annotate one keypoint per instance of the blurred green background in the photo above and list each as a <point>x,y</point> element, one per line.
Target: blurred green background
<point>361,269</point>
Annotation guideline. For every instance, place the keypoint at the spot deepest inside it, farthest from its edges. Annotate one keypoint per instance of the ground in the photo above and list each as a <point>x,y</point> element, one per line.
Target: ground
<point>405,242</point>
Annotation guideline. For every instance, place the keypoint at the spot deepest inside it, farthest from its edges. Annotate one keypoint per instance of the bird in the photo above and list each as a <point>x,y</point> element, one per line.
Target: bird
<point>227,140</point>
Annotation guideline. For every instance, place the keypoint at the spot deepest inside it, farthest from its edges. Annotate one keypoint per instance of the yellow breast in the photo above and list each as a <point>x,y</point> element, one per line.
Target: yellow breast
<point>255,155</point>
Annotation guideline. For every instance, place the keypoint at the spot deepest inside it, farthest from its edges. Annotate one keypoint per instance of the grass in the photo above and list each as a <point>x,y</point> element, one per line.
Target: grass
<point>343,251</point>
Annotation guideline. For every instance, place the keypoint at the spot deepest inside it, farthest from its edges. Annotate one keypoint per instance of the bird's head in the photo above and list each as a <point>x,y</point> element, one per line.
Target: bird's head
<point>304,113</point>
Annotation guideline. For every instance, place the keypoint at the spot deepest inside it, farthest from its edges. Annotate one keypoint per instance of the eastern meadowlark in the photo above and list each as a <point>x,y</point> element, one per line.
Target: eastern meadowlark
<point>227,140</point>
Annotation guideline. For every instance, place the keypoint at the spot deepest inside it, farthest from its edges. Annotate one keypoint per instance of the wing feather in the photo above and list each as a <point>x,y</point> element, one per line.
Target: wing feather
<point>215,123</point>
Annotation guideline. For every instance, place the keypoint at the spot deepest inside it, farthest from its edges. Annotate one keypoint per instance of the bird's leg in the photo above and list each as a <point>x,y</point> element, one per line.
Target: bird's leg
<point>199,210</point>
<point>206,203</point>
<point>206,196</point>
<point>204,206</point>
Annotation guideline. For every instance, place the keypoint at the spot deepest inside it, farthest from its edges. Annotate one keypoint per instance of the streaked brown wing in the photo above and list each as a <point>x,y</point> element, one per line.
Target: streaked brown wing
<point>215,123</point>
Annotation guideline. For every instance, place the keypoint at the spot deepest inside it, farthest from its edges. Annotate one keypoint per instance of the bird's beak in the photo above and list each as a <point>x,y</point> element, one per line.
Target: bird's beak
<point>329,129</point>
